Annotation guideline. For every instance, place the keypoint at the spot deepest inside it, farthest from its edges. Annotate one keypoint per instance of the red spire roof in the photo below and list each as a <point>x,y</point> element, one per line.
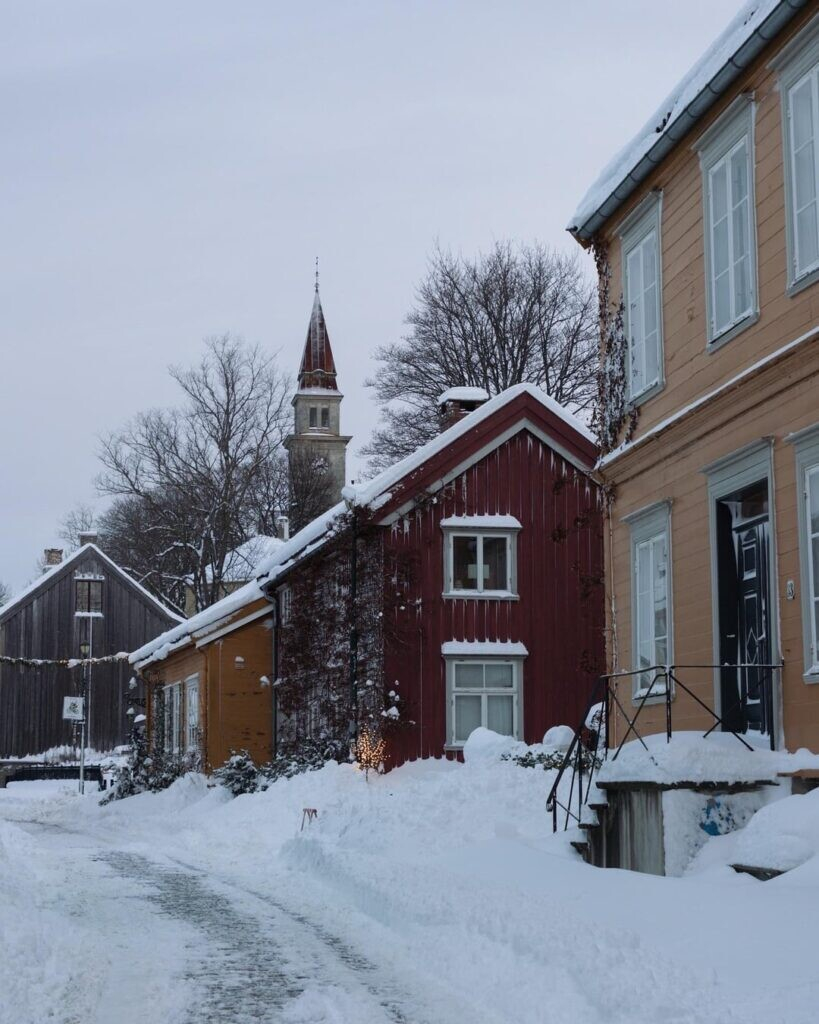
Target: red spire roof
<point>318,368</point>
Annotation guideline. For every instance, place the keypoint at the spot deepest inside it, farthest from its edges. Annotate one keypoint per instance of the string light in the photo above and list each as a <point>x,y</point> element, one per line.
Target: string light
<point>7,659</point>
<point>369,750</point>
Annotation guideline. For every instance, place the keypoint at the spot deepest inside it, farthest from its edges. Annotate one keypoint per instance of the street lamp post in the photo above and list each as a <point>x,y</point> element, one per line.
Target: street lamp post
<point>85,650</point>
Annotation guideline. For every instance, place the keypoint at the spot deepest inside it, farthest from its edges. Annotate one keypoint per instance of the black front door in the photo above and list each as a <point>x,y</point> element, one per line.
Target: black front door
<point>751,543</point>
<point>743,538</point>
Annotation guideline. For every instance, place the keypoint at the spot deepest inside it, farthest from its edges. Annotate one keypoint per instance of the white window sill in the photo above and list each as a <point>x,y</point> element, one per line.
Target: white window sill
<point>481,595</point>
<point>811,677</point>
<point>88,615</point>
<point>730,332</point>
<point>649,392</point>
<point>804,280</point>
<point>658,696</point>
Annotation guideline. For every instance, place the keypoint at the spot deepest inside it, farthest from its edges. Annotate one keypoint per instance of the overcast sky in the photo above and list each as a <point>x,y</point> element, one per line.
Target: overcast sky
<point>169,170</point>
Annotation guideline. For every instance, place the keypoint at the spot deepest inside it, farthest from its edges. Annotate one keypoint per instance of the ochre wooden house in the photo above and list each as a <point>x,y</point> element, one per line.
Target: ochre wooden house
<point>210,681</point>
<point>706,228</point>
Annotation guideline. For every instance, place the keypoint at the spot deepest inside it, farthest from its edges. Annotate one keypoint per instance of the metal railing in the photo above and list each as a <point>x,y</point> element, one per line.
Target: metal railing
<point>593,744</point>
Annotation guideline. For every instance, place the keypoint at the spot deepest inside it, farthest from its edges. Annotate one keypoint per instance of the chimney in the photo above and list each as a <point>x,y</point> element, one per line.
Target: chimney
<point>88,537</point>
<point>282,527</point>
<point>455,403</point>
<point>52,557</point>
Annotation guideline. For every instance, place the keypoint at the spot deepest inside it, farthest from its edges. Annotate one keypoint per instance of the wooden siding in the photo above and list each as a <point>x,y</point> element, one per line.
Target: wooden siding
<point>690,369</point>
<point>780,402</point>
<point>768,404</point>
<point>235,708</point>
<point>44,626</point>
<point>558,614</point>
<point>239,706</point>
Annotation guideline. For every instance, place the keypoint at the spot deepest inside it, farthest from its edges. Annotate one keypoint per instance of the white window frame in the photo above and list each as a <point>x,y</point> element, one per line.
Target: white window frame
<point>453,692</point>
<point>798,60</point>
<point>509,592</point>
<point>172,694</point>
<point>192,732</point>
<point>641,227</point>
<point>733,129</point>
<point>806,445</point>
<point>285,605</point>
<point>647,526</point>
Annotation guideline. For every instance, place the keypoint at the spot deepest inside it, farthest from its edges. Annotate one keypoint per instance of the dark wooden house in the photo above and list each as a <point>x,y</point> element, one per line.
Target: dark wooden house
<point>86,598</point>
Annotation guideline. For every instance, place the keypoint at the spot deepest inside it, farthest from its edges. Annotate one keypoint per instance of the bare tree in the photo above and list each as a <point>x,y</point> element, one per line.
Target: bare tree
<point>518,313</point>
<point>5,592</point>
<point>312,490</point>
<point>190,478</point>
<point>76,521</point>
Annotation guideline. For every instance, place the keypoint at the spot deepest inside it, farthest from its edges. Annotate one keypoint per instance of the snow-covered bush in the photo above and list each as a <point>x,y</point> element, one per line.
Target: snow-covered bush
<point>238,774</point>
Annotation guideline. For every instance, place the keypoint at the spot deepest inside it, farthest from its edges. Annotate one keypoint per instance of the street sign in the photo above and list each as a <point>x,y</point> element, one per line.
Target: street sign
<point>73,709</point>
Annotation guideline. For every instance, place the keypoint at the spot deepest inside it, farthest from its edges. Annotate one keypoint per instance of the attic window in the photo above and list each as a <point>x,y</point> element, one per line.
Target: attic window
<point>88,596</point>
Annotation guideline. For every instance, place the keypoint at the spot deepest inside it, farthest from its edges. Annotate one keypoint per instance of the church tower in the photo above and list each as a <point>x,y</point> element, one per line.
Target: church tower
<point>317,448</point>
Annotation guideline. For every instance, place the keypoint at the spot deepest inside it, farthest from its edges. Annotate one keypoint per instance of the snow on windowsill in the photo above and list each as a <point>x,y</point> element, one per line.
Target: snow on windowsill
<point>480,595</point>
<point>483,648</point>
<point>481,522</point>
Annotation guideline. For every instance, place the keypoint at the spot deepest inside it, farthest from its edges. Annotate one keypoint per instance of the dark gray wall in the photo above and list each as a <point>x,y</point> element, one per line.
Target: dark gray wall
<point>44,625</point>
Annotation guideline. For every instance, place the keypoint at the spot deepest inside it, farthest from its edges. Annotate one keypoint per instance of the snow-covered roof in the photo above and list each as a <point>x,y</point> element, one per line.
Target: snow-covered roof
<point>751,29</point>
<point>76,556</point>
<point>463,394</point>
<point>371,494</point>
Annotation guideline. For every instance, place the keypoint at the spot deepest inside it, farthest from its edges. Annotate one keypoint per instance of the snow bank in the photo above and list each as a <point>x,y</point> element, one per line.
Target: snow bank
<point>447,875</point>
<point>781,836</point>
<point>690,757</point>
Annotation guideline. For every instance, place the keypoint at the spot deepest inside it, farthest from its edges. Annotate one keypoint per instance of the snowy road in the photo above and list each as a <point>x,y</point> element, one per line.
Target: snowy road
<point>200,948</point>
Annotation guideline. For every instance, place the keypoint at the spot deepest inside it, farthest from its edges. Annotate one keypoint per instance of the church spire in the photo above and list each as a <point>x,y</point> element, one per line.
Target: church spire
<point>318,368</point>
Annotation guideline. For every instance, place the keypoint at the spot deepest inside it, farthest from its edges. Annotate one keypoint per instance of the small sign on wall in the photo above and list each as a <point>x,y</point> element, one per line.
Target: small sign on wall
<point>73,709</point>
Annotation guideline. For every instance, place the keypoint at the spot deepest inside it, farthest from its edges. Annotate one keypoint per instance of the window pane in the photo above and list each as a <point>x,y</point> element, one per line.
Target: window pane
<point>802,113</point>
<point>465,563</point>
<point>719,192</point>
<point>660,587</point>
<point>635,318</point>
<point>806,231</point>
<point>325,416</point>
<point>649,248</point>
<point>722,301</point>
<point>720,254</point>
<point>739,174</point>
<point>813,500</point>
<point>313,416</point>
<point>95,595</point>
<point>469,676</point>
<point>499,715</point>
<point>467,716</point>
<point>815,555</point>
<point>499,675</point>
<point>742,287</point>
<point>494,564</point>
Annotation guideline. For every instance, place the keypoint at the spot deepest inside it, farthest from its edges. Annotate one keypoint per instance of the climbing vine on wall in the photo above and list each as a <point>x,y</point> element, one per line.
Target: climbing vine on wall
<point>615,415</point>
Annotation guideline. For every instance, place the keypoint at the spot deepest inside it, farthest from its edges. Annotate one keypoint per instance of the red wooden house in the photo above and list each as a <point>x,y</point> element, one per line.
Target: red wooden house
<point>477,597</point>
<point>461,587</point>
